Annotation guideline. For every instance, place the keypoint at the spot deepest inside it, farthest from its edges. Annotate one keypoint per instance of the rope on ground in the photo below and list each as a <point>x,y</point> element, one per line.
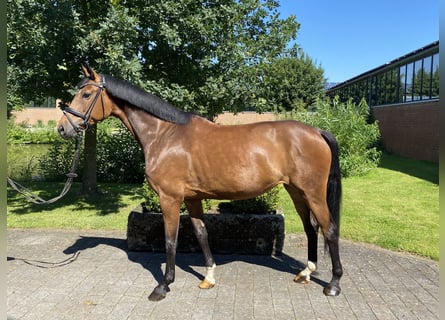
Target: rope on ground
<point>48,265</point>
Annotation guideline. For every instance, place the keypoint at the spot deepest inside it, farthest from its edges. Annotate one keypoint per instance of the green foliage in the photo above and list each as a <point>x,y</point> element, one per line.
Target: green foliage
<point>151,199</point>
<point>152,204</point>
<point>356,137</point>
<point>262,204</point>
<point>39,134</point>
<point>201,56</point>
<point>292,82</point>
<point>119,157</point>
<point>56,163</point>
<point>23,161</point>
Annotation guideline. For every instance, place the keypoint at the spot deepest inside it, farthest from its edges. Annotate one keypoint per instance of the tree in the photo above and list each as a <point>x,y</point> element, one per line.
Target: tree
<point>204,56</point>
<point>47,42</point>
<point>198,55</point>
<point>292,82</point>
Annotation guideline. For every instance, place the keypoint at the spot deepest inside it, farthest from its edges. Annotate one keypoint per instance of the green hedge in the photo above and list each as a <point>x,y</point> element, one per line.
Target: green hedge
<point>262,204</point>
<point>39,134</point>
<point>357,134</point>
<point>119,157</point>
<point>152,204</point>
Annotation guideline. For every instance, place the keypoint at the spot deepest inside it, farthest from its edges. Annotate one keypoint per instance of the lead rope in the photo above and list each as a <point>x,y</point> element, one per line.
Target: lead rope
<point>34,198</point>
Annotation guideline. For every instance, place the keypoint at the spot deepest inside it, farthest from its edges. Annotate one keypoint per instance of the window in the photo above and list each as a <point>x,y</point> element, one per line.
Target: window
<point>373,91</point>
<point>409,82</point>
<point>402,83</point>
<point>380,89</point>
<point>391,86</point>
<point>418,80</point>
<point>435,77</point>
<point>426,83</point>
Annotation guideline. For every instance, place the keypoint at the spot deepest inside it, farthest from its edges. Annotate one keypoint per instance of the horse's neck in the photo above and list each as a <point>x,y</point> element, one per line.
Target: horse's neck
<point>141,124</point>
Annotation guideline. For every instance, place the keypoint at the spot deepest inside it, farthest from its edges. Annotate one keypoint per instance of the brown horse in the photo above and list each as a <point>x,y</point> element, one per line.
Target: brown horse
<point>189,158</point>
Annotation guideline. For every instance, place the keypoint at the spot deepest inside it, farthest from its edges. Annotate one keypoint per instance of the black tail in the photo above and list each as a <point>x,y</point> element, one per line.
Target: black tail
<point>334,182</point>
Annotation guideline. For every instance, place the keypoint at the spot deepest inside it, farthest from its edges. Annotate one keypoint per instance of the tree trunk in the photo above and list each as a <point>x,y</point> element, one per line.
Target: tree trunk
<point>89,180</point>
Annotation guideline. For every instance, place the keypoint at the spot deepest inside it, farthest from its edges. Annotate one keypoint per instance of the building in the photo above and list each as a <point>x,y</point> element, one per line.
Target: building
<point>404,98</point>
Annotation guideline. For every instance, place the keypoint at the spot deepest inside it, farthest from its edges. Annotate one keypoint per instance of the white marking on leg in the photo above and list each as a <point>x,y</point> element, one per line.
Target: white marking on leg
<point>311,267</point>
<point>210,275</point>
<point>305,275</point>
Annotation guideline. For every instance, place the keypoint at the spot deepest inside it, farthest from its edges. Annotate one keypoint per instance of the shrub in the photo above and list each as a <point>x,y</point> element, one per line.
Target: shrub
<point>262,204</point>
<point>152,204</point>
<point>56,163</point>
<point>119,158</point>
<point>39,134</point>
<point>356,135</point>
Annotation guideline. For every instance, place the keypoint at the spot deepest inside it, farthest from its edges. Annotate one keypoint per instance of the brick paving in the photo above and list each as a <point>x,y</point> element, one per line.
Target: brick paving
<point>55,274</point>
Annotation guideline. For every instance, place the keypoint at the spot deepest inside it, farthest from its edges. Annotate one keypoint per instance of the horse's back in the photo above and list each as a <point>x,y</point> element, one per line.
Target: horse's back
<point>246,160</point>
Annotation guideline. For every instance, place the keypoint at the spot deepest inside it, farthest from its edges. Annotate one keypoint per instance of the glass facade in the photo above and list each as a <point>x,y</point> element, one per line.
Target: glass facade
<point>414,77</point>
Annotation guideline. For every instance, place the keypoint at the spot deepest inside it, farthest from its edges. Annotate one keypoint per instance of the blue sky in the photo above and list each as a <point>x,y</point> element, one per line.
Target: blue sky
<point>349,37</point>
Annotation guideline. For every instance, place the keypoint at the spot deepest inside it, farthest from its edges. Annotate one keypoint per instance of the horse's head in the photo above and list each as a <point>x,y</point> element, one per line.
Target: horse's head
<point>89,105</point>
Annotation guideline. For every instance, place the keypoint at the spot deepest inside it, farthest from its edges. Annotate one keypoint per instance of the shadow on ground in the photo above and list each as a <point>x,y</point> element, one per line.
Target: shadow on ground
<point>152,261</point>
<point>424,170</point>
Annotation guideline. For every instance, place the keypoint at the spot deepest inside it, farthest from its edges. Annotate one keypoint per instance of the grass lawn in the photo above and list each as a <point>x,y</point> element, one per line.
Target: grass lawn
<point>395,206</point>
<point>107,211</point>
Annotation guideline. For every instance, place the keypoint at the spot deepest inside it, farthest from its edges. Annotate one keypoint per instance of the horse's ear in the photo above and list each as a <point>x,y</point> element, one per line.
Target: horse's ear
<point>88,71</point>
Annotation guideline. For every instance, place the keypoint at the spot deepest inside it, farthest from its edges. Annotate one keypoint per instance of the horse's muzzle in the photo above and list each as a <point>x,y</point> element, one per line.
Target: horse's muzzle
<point>66,132</point>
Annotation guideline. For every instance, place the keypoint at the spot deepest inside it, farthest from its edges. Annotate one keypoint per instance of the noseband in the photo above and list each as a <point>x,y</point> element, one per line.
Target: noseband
<point>87,116</point>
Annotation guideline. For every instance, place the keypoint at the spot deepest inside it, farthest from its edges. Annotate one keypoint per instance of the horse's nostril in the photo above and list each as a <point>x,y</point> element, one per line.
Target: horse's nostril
<point>61,130</point>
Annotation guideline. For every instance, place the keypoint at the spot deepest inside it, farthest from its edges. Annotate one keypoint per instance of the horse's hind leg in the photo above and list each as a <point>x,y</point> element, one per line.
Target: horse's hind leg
<point>311,230</point>
<point>330,231</point>
<point>315,213</point>
<point>194,208</point>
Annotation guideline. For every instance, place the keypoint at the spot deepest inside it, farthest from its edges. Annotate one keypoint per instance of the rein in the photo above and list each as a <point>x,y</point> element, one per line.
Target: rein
<point>34,198</point>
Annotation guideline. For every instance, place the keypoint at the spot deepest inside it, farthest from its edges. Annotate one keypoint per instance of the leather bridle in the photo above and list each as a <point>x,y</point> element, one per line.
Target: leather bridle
<point>87,116</point>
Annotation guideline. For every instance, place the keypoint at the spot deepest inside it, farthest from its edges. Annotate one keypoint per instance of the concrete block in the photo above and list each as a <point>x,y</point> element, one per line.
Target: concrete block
<point>228,233</point>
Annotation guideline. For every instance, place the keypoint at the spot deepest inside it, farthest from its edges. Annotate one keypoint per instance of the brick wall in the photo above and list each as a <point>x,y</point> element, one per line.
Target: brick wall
<point>411,130</point>
<point>31,116</point>
<point>229,118</point>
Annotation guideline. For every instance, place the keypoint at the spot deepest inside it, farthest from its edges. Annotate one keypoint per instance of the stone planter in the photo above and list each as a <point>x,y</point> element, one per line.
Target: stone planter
<point>228,233</point>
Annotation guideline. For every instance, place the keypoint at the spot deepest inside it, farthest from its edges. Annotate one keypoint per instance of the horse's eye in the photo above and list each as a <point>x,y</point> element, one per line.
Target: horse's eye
<point>86,95</point>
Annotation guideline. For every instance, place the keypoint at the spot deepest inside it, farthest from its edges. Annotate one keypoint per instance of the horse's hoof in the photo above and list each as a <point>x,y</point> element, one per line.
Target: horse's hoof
<point>302,279</point>
<point>158,294</point>
<point>205,284</point>
<point>331,290</point>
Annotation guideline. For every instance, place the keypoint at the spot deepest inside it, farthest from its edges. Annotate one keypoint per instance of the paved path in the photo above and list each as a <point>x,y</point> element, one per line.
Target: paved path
<point>54,274</point>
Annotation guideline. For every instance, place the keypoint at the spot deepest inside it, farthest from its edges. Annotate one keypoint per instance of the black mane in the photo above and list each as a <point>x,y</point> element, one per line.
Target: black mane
<point>146,101</point>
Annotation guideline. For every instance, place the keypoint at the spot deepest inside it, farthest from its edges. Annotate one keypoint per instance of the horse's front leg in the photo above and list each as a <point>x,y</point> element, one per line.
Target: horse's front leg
<point>170,211</point>
<point>194,208</point>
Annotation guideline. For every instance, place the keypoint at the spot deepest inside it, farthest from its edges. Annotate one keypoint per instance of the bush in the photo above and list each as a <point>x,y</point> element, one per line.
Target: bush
<point>56,163</point>
<point>119,157</point>
<point>356,135</point>
<point>265,203</point>
<point>39,134</point>
<point>152,204</point>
